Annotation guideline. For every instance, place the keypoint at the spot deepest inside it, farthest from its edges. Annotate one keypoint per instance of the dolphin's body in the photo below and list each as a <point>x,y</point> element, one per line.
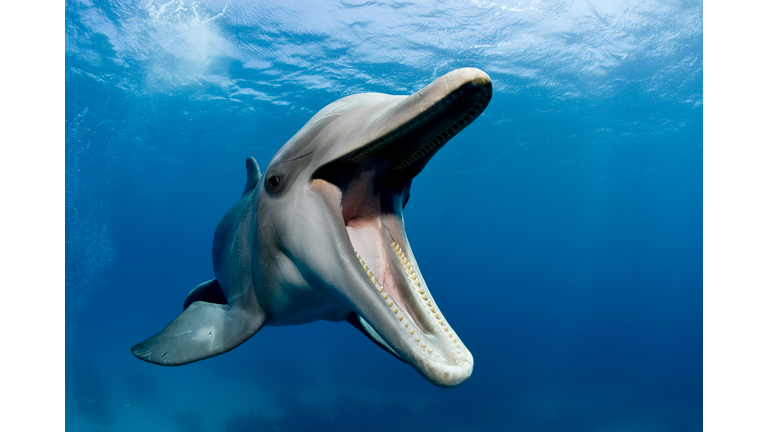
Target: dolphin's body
<point>320,236</point>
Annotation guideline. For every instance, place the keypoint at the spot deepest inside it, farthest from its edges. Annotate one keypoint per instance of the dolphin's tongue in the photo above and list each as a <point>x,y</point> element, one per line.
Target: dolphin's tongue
<point>368,242</point>
<point>362,212</point>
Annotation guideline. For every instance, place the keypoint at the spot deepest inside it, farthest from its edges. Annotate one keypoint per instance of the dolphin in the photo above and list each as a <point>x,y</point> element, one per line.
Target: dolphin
<point>320,235</point>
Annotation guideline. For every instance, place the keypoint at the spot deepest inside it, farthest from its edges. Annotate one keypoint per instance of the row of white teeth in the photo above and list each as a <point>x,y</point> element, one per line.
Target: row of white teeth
<point>426,302</point>
<point>422,151</point>
<point>442,138</point>
<point>365,151</point>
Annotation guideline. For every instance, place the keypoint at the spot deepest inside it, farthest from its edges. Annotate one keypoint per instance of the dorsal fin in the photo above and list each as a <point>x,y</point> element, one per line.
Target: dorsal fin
<point>254,174</point>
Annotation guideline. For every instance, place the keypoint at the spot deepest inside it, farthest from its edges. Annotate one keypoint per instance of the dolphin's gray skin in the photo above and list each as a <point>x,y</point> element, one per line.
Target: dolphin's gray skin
<point>320,236</point>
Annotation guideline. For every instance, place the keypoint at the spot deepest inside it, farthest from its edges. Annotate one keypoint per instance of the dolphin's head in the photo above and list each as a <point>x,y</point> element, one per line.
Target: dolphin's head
<point>334,197</point>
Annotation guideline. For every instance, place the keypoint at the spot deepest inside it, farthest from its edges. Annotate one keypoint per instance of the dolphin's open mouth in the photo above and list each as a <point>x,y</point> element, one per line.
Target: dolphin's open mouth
<point>371,186</point>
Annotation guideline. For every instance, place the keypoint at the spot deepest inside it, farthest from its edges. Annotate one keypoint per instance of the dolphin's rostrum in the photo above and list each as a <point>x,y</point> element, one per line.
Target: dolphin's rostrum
<point>320,235</point>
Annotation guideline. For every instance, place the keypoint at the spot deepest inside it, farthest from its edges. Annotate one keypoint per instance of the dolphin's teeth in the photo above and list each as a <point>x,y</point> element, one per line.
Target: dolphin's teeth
<point>410,271</point>
<point>383,293</point>
<point>372,147</point>
<point>440,139</point>
<point>394,308</point>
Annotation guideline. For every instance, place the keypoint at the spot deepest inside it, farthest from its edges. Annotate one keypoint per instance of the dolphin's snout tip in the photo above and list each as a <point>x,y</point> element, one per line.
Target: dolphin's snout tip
<point>470,75</point>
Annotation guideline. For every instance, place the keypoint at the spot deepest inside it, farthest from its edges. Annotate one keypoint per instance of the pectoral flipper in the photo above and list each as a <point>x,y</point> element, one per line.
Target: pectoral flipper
<point>203,330</point>
<point>209,292</point>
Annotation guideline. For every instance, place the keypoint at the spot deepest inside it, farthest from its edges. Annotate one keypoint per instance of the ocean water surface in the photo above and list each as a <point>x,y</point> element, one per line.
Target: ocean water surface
<point>560,233</point>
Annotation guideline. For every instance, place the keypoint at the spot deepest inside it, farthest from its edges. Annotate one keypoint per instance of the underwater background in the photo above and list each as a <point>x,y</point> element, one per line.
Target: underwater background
<point>560,233</point>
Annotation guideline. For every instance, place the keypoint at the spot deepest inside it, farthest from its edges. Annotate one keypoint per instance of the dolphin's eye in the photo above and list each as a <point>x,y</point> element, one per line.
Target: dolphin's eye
<point>275,183</point>
<point>280,176</point>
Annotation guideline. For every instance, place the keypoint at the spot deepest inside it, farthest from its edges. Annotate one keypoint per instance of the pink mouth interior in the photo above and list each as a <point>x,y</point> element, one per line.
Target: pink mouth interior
<point>362,217</point>
<point>368,242</point>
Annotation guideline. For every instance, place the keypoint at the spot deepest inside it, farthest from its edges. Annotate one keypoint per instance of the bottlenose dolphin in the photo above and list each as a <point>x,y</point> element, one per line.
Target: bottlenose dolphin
<point>320,235</point>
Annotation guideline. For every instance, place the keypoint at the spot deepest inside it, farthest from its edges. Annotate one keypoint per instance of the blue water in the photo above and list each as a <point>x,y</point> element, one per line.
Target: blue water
<point>561,232</point>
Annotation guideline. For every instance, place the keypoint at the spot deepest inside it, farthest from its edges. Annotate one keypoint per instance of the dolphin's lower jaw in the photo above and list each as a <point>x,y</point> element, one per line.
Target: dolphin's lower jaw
<point>426,340</point>
<point>389,292</point>
<point>404,313</point>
